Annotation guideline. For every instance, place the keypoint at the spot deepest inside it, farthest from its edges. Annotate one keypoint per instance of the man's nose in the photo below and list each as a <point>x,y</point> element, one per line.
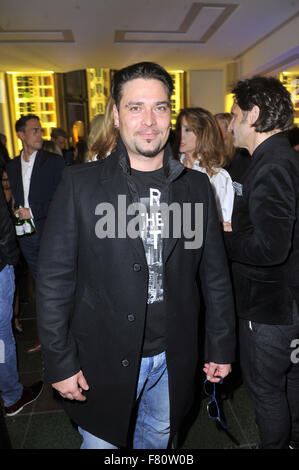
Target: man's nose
<point>149,117</point>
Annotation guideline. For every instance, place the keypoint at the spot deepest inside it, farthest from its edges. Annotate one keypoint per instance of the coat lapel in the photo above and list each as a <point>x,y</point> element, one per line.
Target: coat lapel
<point>39,161</point>
<point>178,193</point>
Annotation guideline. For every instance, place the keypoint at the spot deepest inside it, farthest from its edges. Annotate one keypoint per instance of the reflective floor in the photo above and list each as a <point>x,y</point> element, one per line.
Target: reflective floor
<point>44,424</point>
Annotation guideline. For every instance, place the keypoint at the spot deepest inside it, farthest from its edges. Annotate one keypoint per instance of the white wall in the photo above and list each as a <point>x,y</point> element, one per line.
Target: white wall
<point>277,52</point>
<point>277,48</point>
<point>205,89</point>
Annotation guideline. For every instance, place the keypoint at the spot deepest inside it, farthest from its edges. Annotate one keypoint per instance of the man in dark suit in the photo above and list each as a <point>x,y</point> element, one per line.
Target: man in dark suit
<point>264,249</point>
<point>118,300</point>
<point>33,176</point>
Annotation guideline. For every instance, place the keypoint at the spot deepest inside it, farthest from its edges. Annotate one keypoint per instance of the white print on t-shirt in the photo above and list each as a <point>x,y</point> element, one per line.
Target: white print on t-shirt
<point>151,234</point>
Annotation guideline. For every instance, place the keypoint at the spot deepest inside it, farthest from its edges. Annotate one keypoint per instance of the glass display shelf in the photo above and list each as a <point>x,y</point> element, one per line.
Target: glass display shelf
<point>98,88</point>
<point>34,93</point>
<point>291,81</point>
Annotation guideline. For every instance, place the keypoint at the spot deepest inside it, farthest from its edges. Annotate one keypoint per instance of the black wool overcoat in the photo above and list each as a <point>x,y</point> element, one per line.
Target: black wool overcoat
<point>92,294</point>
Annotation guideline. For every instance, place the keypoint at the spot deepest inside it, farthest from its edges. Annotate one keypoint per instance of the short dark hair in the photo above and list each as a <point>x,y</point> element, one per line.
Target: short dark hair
<point>21,123</point>
<point>146,70</point>
<point>272,98</point>
<point>58,132</point>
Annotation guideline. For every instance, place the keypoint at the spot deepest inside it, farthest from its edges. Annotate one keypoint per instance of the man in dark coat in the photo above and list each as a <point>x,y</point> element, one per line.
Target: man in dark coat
<point>33,177</point>
<point>264,249</point>
<point>118,294</point>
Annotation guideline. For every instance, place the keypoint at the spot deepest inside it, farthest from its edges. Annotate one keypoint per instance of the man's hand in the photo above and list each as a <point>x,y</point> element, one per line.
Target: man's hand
<point>23,213</point>
<point>214,371</point>
<point>227,226</point>
<point>72,387</point>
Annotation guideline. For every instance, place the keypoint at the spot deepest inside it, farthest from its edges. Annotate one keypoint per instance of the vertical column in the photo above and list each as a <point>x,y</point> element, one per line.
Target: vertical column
<point>206,90</point>
<point>5,124</point>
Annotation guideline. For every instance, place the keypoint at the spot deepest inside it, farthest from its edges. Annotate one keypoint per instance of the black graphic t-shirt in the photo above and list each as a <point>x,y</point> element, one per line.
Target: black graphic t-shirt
<point>149,186</point>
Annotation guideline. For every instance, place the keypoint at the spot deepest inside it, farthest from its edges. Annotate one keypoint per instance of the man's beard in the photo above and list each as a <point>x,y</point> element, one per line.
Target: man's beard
<point>150,153</point>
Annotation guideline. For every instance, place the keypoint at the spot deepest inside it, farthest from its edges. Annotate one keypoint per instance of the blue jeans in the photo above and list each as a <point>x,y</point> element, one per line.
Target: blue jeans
<point>10,387</point>
<point>153,422</point>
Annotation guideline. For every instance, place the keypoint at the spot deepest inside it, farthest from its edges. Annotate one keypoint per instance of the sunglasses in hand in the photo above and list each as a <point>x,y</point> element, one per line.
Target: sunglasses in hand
<point>212,406</point>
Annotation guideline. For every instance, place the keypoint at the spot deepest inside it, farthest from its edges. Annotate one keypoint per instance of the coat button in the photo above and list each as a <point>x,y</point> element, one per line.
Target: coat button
<point>125,363</point>
<point>136,267</point>
<point>131,317</point>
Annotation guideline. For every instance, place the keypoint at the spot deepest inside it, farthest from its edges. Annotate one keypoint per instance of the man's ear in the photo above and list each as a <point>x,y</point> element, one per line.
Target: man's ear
<point>116,116</point>
<point>20,134</point>
<point>253,114</point>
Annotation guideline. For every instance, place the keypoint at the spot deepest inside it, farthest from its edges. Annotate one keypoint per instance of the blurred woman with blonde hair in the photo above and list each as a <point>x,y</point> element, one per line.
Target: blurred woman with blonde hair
<point>199,145</point>
<point>103,135</point>
<point>224,120</point>
<point>236,160</point>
